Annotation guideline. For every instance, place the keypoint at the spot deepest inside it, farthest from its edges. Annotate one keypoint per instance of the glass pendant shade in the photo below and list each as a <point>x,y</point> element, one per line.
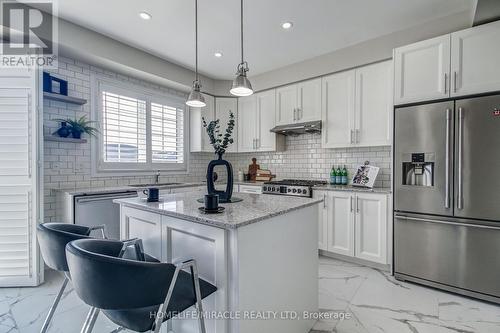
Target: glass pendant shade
<point>195,98</point>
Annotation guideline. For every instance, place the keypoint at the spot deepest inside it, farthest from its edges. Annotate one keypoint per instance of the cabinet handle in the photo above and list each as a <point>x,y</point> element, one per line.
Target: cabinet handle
<point>357,204</point>
<point>352,136</point>
<point>351,203</point>
<point>455,81</point>
<point>445,83</point>
<point>298,114</point>
<point>295,117</point>
<point>356,136</point>
<point>257,144</point>
<point>324,200</point>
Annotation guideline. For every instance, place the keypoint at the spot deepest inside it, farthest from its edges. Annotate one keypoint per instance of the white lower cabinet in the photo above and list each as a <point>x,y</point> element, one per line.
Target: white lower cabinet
<point>354,224</point>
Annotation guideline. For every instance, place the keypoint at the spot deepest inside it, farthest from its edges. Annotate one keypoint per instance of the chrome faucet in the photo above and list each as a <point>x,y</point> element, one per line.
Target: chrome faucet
<point>157,177</point>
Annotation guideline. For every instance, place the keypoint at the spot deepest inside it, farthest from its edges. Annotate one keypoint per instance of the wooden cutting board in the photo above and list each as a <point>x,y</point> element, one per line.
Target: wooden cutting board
<point>252,169</point>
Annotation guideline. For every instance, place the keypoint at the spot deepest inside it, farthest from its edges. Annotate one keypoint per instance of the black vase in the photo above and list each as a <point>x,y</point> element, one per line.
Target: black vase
<point>224,196</point>
<point>64,131</point>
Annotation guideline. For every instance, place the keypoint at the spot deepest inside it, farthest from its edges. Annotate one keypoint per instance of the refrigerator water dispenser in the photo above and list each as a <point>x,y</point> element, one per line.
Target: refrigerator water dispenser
<point>418,169</point>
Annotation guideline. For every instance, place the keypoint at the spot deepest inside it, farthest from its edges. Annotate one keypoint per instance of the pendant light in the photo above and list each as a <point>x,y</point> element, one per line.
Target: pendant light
<point>195,98</point>
<point>241,84</point>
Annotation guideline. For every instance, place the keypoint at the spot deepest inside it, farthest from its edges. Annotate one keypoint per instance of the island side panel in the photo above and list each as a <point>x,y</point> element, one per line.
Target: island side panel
<point>184,240</point>
<point>277,270</point>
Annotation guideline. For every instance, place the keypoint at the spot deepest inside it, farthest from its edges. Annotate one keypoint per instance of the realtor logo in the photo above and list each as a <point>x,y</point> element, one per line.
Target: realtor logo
<point>29,33</point>
<point>496,112</point>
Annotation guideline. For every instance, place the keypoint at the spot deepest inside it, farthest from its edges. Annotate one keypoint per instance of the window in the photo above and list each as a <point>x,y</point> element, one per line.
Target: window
<point>139,130</point>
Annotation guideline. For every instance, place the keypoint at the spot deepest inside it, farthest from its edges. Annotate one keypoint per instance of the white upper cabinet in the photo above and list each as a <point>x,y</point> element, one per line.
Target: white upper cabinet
<point>338,109</point>
<point>475,64</point>
<point>247,115</point>
<point>459,64</point>
<point>357,107</point>
<point>309,101</point>
<point>223,107</point>
<point>422,71</point>
<point>266,119</point>
<point>297,103</point>
<point>286,105</point>
<point>256,117</point>
<point>374,105</point>
<point>198,136</point>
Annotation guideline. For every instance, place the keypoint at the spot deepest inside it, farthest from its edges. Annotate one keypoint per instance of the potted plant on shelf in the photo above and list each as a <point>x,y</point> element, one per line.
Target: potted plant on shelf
<point>78,126</point>
<point>220,142</point>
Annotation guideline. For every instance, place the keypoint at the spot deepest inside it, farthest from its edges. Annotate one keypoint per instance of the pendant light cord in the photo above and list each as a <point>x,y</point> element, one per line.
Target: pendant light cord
<point>196,37</point>
<point>241,21</point>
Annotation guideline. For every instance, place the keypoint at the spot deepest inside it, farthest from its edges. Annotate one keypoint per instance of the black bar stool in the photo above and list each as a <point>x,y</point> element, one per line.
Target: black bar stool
<point>52,238</point>
<point>138,295</point>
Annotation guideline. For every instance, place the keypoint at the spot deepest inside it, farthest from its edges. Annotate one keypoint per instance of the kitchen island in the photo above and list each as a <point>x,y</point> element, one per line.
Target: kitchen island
<point>261,253</point>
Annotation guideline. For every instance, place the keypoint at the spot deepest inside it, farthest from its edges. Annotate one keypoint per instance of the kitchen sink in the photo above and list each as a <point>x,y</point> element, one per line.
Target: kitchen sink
<point>154,184</point>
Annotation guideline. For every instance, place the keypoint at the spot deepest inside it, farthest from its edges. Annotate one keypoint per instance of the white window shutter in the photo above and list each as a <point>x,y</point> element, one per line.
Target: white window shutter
<point>18,255</point>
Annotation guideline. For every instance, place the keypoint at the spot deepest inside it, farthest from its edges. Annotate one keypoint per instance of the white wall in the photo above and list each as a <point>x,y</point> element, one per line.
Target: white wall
<point>360,54</point>
<point>68,165</point>
<point>94,48</point>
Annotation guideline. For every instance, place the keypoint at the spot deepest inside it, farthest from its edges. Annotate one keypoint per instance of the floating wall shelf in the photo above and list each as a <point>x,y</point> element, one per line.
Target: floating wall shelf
<point>59,139</point>
<point>63,98</point>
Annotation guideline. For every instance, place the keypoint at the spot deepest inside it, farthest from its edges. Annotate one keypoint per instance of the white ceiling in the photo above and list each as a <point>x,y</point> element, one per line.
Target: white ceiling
<point>320,26</point>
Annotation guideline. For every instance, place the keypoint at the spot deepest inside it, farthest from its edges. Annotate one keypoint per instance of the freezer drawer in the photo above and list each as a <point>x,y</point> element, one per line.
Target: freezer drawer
<point>456,253</point>
<point>477,163</point>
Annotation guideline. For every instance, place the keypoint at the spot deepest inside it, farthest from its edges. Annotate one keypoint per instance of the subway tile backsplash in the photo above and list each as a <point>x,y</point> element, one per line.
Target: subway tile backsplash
<point>68,165</point>
<point>304,158</point>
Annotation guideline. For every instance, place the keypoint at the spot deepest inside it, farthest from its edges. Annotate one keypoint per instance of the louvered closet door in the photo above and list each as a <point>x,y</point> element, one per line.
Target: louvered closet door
<point>18,261</point>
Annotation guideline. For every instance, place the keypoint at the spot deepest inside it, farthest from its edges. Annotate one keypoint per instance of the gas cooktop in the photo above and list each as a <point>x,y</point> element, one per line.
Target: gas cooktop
<point>294,187</point>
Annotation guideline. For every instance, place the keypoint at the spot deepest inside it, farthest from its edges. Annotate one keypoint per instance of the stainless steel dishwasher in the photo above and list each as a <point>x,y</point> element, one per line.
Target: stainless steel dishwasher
<point>99,209</point>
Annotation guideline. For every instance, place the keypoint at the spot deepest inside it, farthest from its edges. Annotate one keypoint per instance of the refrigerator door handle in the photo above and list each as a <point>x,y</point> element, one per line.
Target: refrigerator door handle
<point>480,226</point>
<point>460,204</point>
<point>447,162</point>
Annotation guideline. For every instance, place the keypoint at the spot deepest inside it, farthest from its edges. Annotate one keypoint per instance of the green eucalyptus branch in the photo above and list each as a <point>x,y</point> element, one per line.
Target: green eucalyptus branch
<point>218,140</point>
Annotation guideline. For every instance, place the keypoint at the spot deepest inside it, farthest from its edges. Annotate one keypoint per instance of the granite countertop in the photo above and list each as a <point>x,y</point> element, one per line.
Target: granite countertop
<point>253,208</point>
<point>351,188</point>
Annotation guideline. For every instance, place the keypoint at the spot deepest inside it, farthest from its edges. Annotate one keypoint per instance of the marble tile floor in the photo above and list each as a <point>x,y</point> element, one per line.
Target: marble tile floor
<point>369,300</point>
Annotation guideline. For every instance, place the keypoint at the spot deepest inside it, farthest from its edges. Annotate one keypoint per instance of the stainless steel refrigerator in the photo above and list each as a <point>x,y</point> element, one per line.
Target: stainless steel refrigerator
<point>447,196</point>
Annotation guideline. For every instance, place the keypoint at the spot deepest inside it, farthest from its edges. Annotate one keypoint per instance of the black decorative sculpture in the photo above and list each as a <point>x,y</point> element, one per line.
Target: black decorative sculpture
<point>220,142</point>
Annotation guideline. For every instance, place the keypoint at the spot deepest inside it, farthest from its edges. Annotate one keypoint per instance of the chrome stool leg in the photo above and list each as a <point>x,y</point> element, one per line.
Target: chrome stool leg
<point>90,321</point>
<point>52,309</point>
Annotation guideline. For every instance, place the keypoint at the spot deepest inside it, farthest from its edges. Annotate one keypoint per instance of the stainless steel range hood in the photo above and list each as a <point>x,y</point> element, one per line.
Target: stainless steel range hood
<point>298,128</point>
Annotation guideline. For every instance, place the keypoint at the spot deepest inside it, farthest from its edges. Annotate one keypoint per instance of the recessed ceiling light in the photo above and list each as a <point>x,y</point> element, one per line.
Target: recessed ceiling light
<point>145,16</point>
<point>218,54</point>
<point>287,25</point>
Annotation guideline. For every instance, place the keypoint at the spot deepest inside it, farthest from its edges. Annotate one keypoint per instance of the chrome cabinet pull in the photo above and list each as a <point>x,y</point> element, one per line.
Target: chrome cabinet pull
<point>357,204</point>
<point>447,162</point>
<point>445,83</point>
<point>257,144</point>
<point>324,200</point>
<point>455,81</point>
<point>352,136</point>
<point>294,114</point>
<point>460,204</point>
<point>351,204</point>
<point>356,136</point>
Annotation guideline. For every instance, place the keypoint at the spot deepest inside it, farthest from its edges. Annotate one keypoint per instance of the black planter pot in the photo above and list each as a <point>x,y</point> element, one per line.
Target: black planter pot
<point>224,196</point>
<point>64,130</point>
<point>76,135</point>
